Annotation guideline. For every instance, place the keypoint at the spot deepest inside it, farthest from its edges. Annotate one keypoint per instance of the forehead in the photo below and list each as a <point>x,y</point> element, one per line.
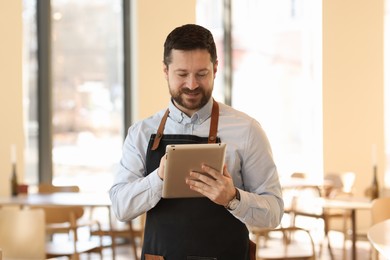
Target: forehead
<point>191,59</point>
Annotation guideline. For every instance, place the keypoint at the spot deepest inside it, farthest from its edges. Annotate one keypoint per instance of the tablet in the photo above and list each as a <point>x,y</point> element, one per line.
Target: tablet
<point>183,158</point>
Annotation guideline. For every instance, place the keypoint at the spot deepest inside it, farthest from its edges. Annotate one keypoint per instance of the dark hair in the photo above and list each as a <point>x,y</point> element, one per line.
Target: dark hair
<point>189,37</point>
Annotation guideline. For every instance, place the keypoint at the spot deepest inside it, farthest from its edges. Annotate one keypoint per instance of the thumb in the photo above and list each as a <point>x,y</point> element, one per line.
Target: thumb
<point>225,172</point>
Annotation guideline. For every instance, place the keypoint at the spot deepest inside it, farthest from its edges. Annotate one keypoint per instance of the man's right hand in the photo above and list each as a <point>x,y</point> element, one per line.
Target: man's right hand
<point>161,168</point>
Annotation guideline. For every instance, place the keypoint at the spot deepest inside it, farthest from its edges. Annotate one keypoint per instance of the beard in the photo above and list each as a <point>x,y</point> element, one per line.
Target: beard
<point>196,103</point>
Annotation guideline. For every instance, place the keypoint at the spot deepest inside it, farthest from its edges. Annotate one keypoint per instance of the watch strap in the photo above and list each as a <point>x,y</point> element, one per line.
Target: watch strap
<point>237,197</point>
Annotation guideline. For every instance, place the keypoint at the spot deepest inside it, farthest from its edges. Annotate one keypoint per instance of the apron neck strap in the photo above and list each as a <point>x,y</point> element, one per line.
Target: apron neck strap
<point>214,123</point>
<point>212,132</point>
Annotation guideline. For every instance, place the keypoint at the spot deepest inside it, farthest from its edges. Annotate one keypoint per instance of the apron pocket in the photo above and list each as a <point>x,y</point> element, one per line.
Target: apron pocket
<point>201,258</point>
<point>153,257</point>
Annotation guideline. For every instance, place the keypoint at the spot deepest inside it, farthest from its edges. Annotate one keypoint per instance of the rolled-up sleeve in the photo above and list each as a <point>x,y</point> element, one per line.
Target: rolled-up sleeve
<point>257,178</point>
<point>133,193</point>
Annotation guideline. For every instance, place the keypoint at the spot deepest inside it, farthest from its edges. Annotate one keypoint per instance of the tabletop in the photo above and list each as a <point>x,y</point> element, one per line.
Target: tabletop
<point>379,236</point>
<point>59,198</point>
<point>290,183</point>
<point>347,203</point>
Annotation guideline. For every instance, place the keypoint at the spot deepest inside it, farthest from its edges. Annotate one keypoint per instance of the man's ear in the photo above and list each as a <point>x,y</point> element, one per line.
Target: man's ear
<point>165,69</point>
<point>215,67</point>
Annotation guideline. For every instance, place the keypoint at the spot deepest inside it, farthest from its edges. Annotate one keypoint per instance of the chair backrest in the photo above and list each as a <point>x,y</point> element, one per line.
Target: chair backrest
<point>380,209</point>
<point>22,233</point>
<point>62,214</point>
<point>62,219</point>
<point>287,243</point>
<point>339,183</point>
<point>299,175</point>
<point>49,188</point>
<point>335,179</point>
<point>304,201</point>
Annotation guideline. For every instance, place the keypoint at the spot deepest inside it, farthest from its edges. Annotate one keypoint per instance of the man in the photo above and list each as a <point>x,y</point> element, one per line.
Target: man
<point>247,192</point>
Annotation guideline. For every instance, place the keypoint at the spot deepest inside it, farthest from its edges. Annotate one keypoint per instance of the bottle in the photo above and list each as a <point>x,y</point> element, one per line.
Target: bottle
<point>14,181</point>
<point>374,185</point>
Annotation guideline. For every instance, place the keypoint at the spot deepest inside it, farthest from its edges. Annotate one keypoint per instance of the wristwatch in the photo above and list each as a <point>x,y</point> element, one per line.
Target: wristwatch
<point>233,204</point>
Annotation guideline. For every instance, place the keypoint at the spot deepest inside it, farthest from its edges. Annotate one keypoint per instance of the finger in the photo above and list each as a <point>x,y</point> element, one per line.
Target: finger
<point>211,171</point>
<point>211,192</point>
<point>206,177</point>
<point>161,168</point>
<point>197,186</point>
<point>225,171</point>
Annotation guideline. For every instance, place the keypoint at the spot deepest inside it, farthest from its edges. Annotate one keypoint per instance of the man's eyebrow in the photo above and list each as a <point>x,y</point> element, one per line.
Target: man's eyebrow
<point>184,70</point>
<point>180,70</point>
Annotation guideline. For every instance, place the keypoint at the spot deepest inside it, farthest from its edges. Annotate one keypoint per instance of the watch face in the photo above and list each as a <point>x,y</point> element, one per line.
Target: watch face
<point>233,204</point>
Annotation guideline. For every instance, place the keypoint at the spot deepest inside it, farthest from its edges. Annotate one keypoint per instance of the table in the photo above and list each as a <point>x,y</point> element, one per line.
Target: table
<point>78,199</point>
<point>348,203</point>
<point>379,236</point>
<point>353,204</point>
<point>296,183</point>
<point>83,199</point>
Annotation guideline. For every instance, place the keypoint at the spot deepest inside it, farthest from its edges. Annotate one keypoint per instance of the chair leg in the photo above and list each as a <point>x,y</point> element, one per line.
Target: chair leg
<point>132,240</point>
<point>75,256</point>
<point>344,249</point>
<point>330,248</point>
<point>326,229</point>
<point>375,254</point>
<point>345,232</point>
<point>326,237</point>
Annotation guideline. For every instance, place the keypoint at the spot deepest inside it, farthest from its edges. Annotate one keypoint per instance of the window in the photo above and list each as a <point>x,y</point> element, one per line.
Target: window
<point>87,86</point>
<point>276,65</point>
<point>87,91</point>
<point>30,89</point>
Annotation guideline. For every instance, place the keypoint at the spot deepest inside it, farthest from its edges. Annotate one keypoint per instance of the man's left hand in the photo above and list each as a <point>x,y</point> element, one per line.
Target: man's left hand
<point>216,186</point>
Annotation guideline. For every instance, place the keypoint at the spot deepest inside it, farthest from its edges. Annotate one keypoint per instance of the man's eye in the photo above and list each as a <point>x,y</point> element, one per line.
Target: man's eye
<point>182,75</point>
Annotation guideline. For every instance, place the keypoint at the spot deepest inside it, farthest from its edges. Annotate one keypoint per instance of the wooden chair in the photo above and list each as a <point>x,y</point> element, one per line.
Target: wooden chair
<point>339,183</point>
<point>302,206</point>
<point>340,186</point>
<point>380,211</point>
<point>298,175</point>
<point>50,188</point>
<point>284,243</point>
<point>127,231</point>
<point>131,231</point>
<point>66,218</point>
<point>22,233</point>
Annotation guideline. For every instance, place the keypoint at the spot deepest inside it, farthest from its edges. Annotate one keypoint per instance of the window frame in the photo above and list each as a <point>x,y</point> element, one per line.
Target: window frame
<point>45,133</point>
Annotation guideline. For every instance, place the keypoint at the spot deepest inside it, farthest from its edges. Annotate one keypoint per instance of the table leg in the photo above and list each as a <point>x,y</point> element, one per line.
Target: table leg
<point>112,233</point>
<point>353,223</point>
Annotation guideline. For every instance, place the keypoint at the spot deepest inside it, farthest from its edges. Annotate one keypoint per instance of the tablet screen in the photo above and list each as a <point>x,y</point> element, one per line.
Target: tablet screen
<point>183,158</point>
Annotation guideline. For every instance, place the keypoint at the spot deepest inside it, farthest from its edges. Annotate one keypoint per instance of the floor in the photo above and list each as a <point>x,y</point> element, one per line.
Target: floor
<point>125,252</point>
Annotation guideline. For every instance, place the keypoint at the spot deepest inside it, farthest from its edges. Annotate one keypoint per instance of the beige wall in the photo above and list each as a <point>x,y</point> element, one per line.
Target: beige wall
<point>353,107</point>
<point>157,20</point>
<point>11,113</point>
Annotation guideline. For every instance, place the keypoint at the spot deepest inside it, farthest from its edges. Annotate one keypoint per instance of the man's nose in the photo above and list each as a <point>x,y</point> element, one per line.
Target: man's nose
<point>191,82</point>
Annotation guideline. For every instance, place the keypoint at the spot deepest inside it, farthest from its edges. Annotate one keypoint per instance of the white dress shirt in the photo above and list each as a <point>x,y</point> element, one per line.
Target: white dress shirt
<point>248,159</point>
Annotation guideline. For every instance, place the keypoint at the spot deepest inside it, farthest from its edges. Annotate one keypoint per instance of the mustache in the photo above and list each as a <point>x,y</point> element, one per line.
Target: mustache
<point>189,91</point>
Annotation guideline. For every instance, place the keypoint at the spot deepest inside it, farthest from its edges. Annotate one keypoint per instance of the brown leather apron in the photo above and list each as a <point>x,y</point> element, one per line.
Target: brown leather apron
<point>190,228</point>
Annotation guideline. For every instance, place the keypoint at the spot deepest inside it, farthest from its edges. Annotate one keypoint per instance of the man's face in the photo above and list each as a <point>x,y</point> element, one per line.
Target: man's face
<point>190,78</point>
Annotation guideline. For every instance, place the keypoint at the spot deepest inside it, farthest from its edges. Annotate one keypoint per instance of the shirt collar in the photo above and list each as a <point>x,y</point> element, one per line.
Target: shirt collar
<point>197,118</point>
